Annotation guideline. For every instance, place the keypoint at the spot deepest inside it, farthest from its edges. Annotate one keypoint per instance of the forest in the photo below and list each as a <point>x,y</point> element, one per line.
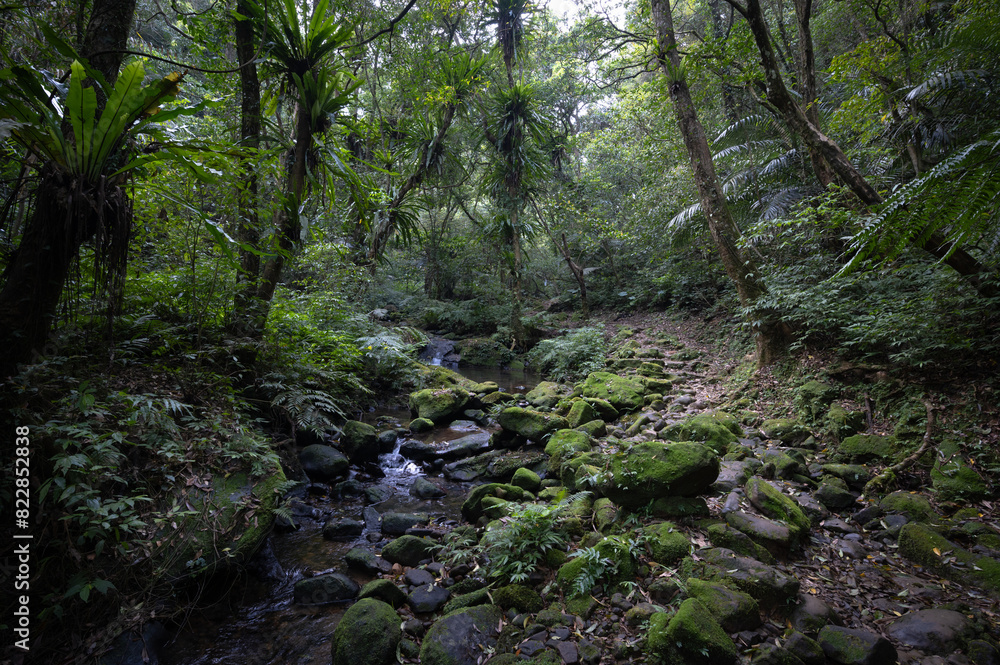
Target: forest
<point>486,331</point>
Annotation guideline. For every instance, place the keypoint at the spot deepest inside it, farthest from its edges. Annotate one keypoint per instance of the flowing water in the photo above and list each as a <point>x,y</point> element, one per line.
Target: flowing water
<point>254,620</point>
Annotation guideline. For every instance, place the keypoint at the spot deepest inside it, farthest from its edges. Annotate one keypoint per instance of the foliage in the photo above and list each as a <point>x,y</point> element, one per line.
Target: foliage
<point>570,357</point>
<point>516,545</point>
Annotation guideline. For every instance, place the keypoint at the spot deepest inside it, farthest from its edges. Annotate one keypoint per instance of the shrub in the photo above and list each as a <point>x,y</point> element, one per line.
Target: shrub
<point>570,357</point>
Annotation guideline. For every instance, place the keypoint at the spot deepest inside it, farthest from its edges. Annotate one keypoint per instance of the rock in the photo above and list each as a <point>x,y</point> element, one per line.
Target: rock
<point>581,412</point>
<point>769,586</point>
<point>841,423</point>
<point>921,545</point>
<point>546,394</point>
<point>734,473</point>
<point>425,489</point>
<point>833,497</point>
<point>378,493</point>
<point>855,475</point>
<point>605,411</point>
<point>342,529</point>
<point>933,631</point>
<point>568,652</point>
<point>723,535</point>
<point>691,636</point>
<point>387,440</point>
<point>330,588</point>
<point>734,610</point>
<point>384,590</point>
<point>408,550</point>
<point>396,524</point>
<point>518,597</point>
<point>641,613</point>
<point>419,425</point>
<point>463,447</point>
<point>359,442</point>
<point>786,467</point>
<point>851,548</point>
<point>622,393</point>
<point>472,509</point>
<point>811,614</point>
<point>771,654</point>
<point>769,500</point>
<point>953,478</point>
<point>915,506</point>
<point>653,469</point>
<point>715,430</point>
<point>367,634</point>
<point>418,577</point>
<point>622,567</point>
<point>417,450</point>
<point>778,538</point>
<point>981,652</point>
<point>849,646</point>
<point>680,507</point>
<point>787,430</point>
<point>532,425</point>
<point>323,463</point>
<point>867,448</point>
<point>812,399</point>
<point>461,637</point>
<point>526,479</point>
<point>471,599</point>
<point>814,510</point>
<point>362,559</point>
<point>666,545</point>
<point>565,444</point>
<point>805,649</point>
<point>439,405</point>
<point>427,598</point>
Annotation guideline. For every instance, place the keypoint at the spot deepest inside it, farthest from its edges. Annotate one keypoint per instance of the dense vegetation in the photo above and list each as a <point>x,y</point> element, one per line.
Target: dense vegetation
<point>228,226</point>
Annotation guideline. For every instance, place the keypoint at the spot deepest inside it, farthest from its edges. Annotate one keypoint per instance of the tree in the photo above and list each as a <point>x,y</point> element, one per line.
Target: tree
<point>770,336</point>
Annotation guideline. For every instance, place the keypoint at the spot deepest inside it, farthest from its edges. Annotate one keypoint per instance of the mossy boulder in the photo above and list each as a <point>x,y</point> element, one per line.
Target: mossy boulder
<point>359,441</point>
<point>787,430</point>
<point>866,448</point>
<point>564,445</point>
<point>622,393</point>
<point>691,636</point>
<point>767,585</point>
<point>518,597</point>
<point>595,428</point>
<point>460,638</point>
<point>532,425</point>
<point>408,550</point>
<point>841,423</point>
<point>323,589</point>
<point>923,545</point>
<point>855,647</point>
<point>855,475</point>
<point>666,544</point>
<point>472,508</point>
<point>526,479</point>
<point>813,398</point>
<point>605,411</point>
<point>915,506</point>
<point>657,386</point>
<point>367,634</point>
<point>484,388</point>
<point>953,478</point>
<point>546,394</point>
<point>419,425</point>
<point>654,469</point>
<point>715,430</point>
<point>779,538</point>
<point>771,501</point>
<point>580,412</point>
<point>723,535</point>
<point>439,405</point>
<point>734,610</point>
<point>323,463</point>
<point>471,599</point>
<point>622,567</point>
<point>492,399</point>
<point>384,590</point>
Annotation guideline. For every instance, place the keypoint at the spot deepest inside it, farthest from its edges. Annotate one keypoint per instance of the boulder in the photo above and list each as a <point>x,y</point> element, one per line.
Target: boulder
<point>932,631</point>
<point>427,598</point>
<point>811,614</point>
<point>779,539</point>
<point>787,430</point>
<point>526,479</point>
<point>368,634</point>
<point>461,638</point>
<point>716,430</point>
<point>419,425</point>
<point>767,585</point>
<point>666,545</point>
<point>342,529</point>
<point>865,448</point>
<point>771,501</point>
<point>438,405</point>
<point>425,489</point>
<point>532,425</point>
<point>518,597</point>
<point>364,559</point>
<point>723,535</point>
<point>841,423</point>
<point>622,393</point>
<point>408,550</point>
<point>546,394</point>
<point>930,549</point>
<point>322,589</point>
<point>396,524</point>
<point>691,636</point>
<point>323,463</point>
<point>653,469</point>
<point>581,412</point>
<point>813,398</point>
<point>564,445</point>
<point>953,478</point>
<point>734,610</point>
<point>462,447</point>
<point>384,590</point>
<point>472,508</point>
<point>849,646</point>
<point>604,408</point>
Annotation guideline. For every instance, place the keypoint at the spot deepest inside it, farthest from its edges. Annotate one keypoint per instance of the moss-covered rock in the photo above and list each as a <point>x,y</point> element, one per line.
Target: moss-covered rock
<point>461,637</point>
<point>605,411</point>
<point>767,585</point>
<point>605,514</point>
<point>653,469</point>
<point>841,423</point>
<point>855,647</point>
<point>666,544</point>
<point>408,550</point>
<point>526,479</point>
<point>323,589</point>
<point>533,425</point>
<point>691,636</point>
<point>855,475</point>
<point>953,478</point>
<point>471,599</point>
<point>778,538</point>
<point>715,430</point>
<point>419,425</point>
<point>922,545</point>
<point>723,535</point>
<point>866,448</point>
<point>657,386</point>
<point>472,508</point>
<point>367,634</point>
<point>915,506</point>
<point>493,399</point>
<point>564,445</point>
<point>787,430</point>
<point>323,463</point>
<point>622,567</point>
<point>680,507</point>
<point>734,610</point>
<point>439,405</point>
<point>518,597</point>
<point>546,394</point>
<point>580,412</point>
<point>384,590</point>
<point>359,441</point>
<point>771,501</point>
<point>812,400</point>
<point>595,428</point>
<point>622,393</point>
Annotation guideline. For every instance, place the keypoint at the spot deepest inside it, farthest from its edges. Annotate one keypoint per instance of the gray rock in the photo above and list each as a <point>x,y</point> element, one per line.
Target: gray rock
<point>342,529</point>
<point>378,493</point>
<point>768,585</point>
<point>934,631</point>
<point>813,509</point>
<point>396,524</point>
<point>384,590</point>
<point>425,489</point>
<point>812,614</point>
<point>322,589</point>
<point>387,440</point>
<point>849,646</point>
<point>461,637</point>
<point>418,577</point>
<point>323,463</point>
<point>733,474</point>
<point>851,548</point>
<point>408,550</point>
<point>833,497</point>
<point>778,538</point>
<point>359,442</point>
<point>428,598</point>
<point>805,649</point>
<point>417,450</point>
<point>466,446</point>
<point>363,559</point>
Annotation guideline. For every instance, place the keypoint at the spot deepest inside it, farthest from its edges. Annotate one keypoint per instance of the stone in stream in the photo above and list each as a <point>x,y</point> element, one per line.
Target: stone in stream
<point>417,450</point>
<point>532,425</point>
<point>387,440</point>
<point>466,446</point>
<point>396,524</point>
<point>366,560</point>
<point>323,463</point>
<point>461,637</point>
<point>385,591</point>
<point>330,588</point>
<point>425,489</point>
<point>342,529</point>
<point>933,631</point>
<point>408,550</point>
<point>849,646</point>
<point>427,598</point>
<point>439,405</point>
<point>419,425</point>
<point>368,634</point>
<point>418,577</point>
<point>359,442</point>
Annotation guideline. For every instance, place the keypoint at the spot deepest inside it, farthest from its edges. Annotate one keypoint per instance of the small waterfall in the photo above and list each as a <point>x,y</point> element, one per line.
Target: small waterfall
<point>394,465</point>
<point>440,351</point>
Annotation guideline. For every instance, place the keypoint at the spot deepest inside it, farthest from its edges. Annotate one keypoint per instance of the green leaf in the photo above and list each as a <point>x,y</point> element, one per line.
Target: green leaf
<point>81,107</point>
<point>222,240</point>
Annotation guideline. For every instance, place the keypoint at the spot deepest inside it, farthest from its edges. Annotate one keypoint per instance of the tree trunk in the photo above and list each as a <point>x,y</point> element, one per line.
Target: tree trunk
<point>248,231</point>
<point>770,339</point>
<point>577,271</point>
<point>67,212</point>
<point>807,81</point>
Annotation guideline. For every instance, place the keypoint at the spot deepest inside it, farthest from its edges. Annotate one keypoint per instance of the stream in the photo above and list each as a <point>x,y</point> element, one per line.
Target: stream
<point>255,620</point>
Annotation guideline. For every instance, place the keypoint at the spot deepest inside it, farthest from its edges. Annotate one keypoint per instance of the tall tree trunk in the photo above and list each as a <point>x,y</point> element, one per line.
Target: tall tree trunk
<point>961,261</point>
<point>807,82</point>
<point>67,212</point>
<point>516,325</point>
<point>248,231</point>
<point>770,340</point>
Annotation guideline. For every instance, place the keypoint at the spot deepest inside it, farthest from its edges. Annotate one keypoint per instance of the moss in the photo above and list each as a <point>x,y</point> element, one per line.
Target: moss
<point>914,506</point>
<point>690,637</point>
<point>918,544</point>
<point>526,479</point>
<point>867,448</point>
<point>408,550</point>
<point>384,590</point>
<point>772,502</point>
<point>439,405</point>
<point>679,507</point>
<point>812,398</point>
<point>581,412</point>
<point>605,411</point>
<point>734,610</point>
<point>622,393</point>
<point>471,599</point>
<point>565,444</point>
<point>518,597</point>
<point>953,479</point>
<point>421,425</point>
<point>841,423</point>
<point>786,430</point>
<point>666,545</point>
<point>723,535</point>
<point>581,606</point>
<point>368,634</point>
<point>472,508</point>
<point>653,469</point>
<point>658,386</point>
<point>532,425</point>
<point>605,514</point>
<point>713,431</point>
<point>459,636</point>
<point>546,394</point>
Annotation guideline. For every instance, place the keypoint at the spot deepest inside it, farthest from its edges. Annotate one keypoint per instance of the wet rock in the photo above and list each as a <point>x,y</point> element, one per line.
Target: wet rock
<point>378,493</point>
<point>779,539</point>
<point>417,450</point>
<point>769,500</point>
<point>359,442</point>
<point>396,524</point>
<point>439,405</point>
<point>428,598</point>
<point>368,634</point>
<point>933,631</point>
<point>463,447</point>
<point>384,590</point>
<point>363,559</point>
<point>408,550</point>
<point>425,489</point>
<point>653,469</point>
<point>322,589</point>
<point>342,529</point>
<point>811,614</point>
<point>461,638</point>
<point>323,463</point>
<point>849,646</point>
<point>768,585</point>
<point>735,611</point>
<point>833,497</point>
<point>418,577</point>
<point>387,440</point>
<point>690,636</point>
<point>418,425</point>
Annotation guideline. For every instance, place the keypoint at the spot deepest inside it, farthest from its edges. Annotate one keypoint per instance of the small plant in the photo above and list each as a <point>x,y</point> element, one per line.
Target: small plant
<point>595,565</point>
<point>570,357</point>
